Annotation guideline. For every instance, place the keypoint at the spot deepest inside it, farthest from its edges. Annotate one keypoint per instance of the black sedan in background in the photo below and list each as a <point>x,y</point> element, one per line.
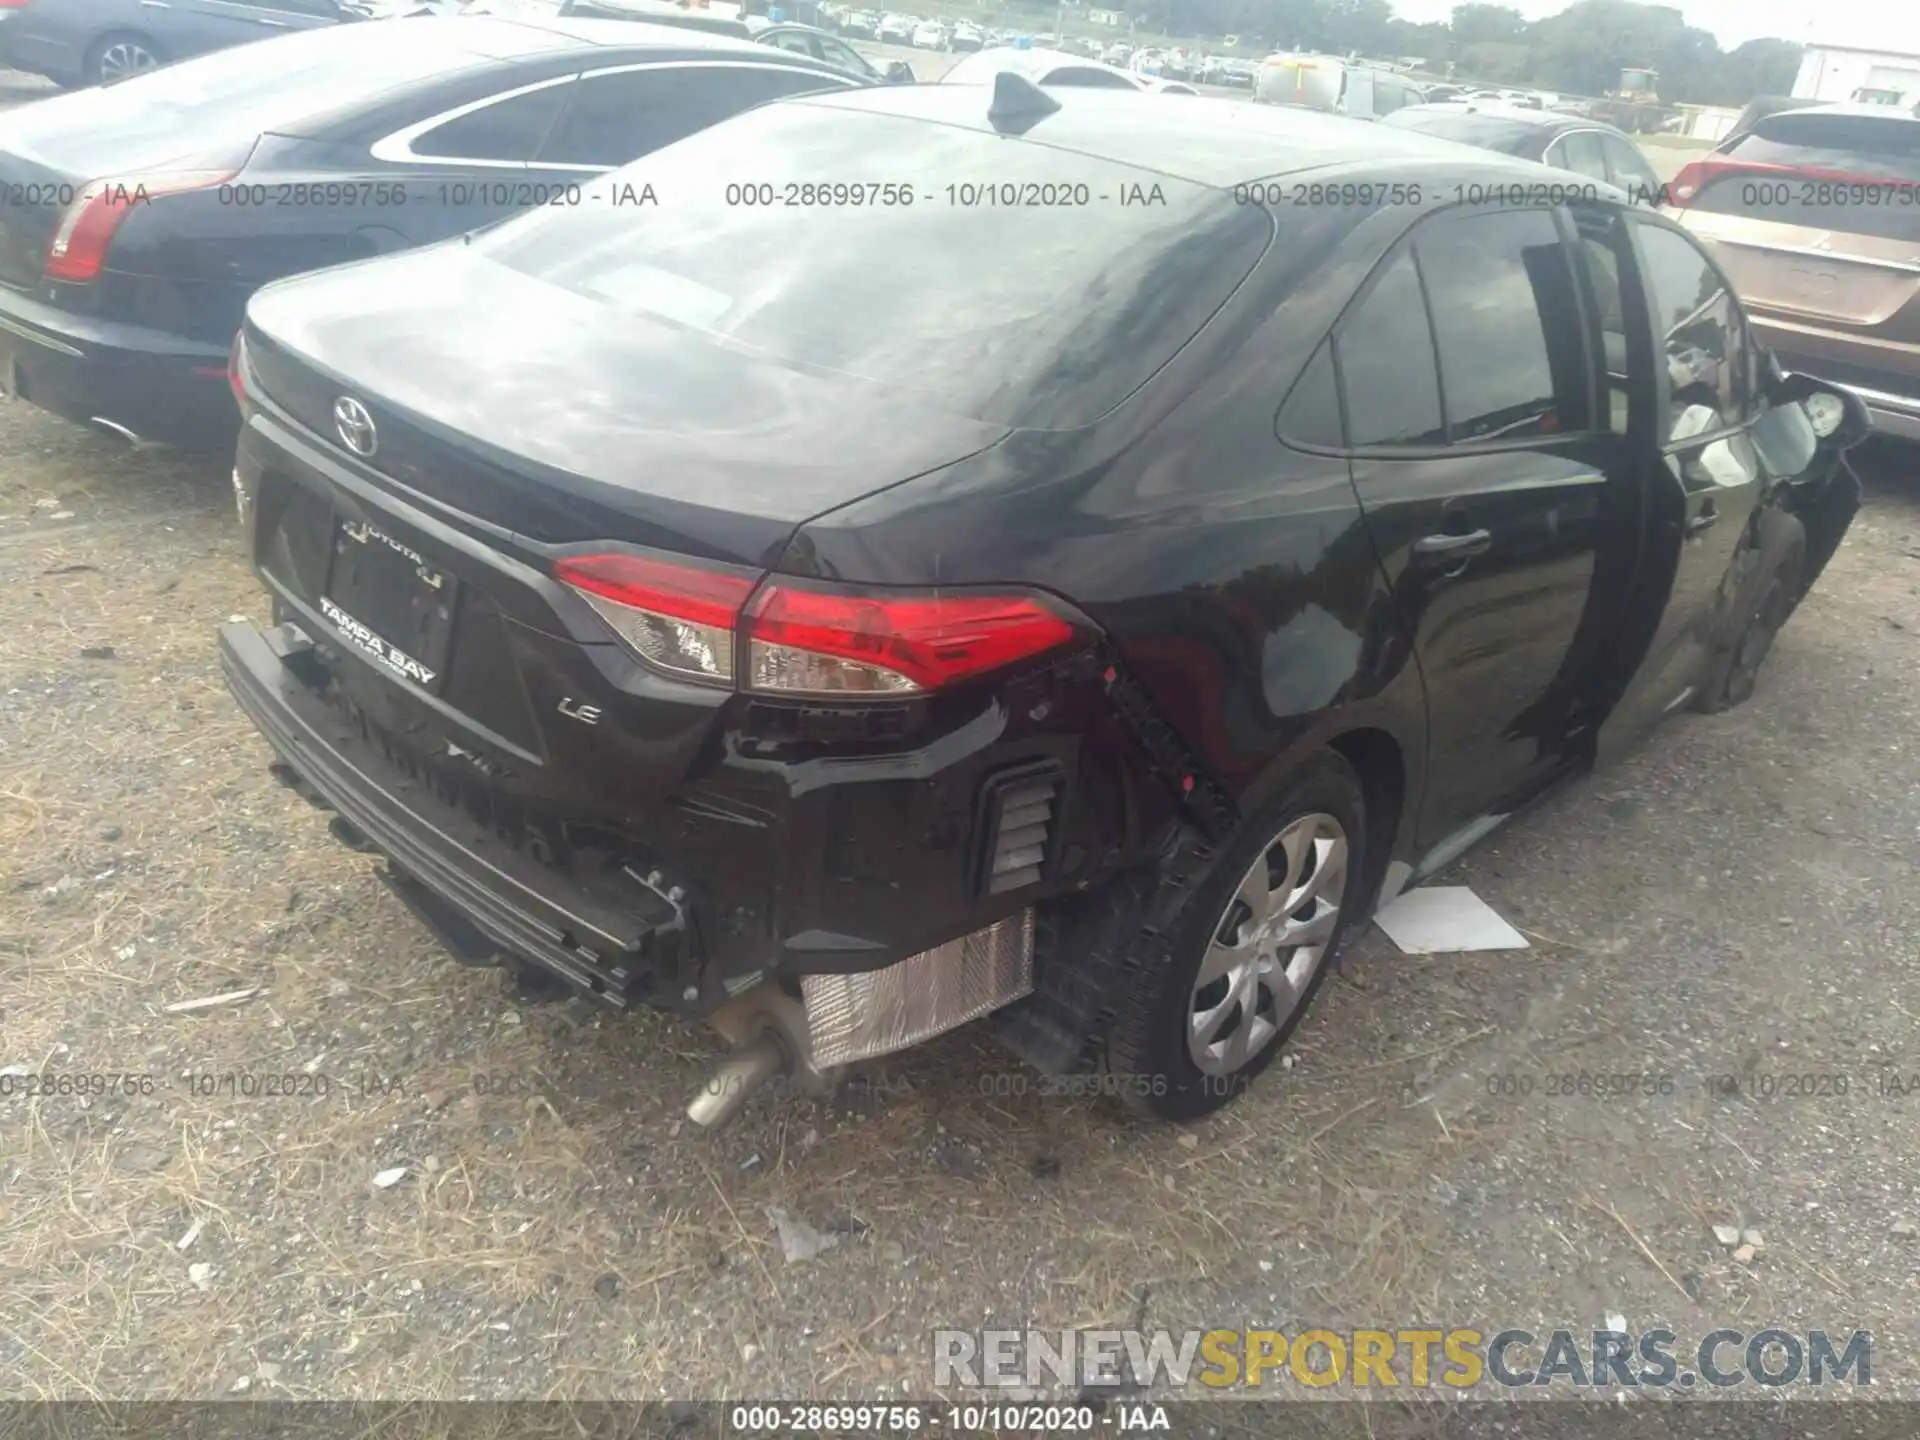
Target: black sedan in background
<point>844,619</point>
<point>93,42</point>
<point>139,217</point>
<point>1566,142</point>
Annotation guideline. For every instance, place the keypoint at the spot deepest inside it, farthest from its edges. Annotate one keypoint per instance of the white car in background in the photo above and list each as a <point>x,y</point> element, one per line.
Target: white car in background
<point>896,29</point>
<point>929,35</point>
<point>1118,53</point>
<point>1057,67</point>
<point>967,36</point>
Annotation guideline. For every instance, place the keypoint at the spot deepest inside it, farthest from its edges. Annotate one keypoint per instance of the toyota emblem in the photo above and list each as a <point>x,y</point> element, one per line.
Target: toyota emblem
<point>355,426</point>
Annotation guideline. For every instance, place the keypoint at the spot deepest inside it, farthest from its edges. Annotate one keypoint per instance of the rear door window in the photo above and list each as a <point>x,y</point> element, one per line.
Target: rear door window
<point>1580,152</point>
<point>1507,319</point>
<point>1856,174</point>
<point>1385,354</point>
<point>1698,330</point>
<point>620,115</point>
<point>1628,168</point>
<point>507,131</point>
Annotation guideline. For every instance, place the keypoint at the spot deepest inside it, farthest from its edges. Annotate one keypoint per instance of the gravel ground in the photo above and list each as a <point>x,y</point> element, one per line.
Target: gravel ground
<point>1735,899</point>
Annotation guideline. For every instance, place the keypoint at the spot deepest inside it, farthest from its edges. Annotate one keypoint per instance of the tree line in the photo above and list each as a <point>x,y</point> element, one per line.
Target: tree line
<point>1580,51</point>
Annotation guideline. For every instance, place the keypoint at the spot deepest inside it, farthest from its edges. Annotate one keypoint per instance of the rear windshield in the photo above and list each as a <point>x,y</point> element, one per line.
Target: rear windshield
<point>1489,132</point>
<point>1012,282</point>
<point>238,93</point>
<point>1309,80</point>
<point>1858,174</point>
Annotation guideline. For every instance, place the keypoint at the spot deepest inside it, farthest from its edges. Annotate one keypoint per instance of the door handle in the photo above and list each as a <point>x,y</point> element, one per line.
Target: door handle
<point>1453,548</point>
<point>155,5</point>
<point>271,24</point>
<point>1701,521</point>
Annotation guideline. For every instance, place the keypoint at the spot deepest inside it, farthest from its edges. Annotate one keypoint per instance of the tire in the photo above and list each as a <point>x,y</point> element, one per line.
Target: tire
<point>121,53</point>
<point>1772,591</point>
<point>1180,1048</point>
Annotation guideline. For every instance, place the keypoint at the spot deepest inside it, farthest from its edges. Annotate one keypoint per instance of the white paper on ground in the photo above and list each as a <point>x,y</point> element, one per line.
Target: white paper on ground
<point>1437,919</point>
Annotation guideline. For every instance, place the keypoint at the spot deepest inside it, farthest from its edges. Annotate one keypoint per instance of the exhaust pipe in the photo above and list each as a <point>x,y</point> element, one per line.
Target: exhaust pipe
<point>767,1030</point>
<point>734,1079</point>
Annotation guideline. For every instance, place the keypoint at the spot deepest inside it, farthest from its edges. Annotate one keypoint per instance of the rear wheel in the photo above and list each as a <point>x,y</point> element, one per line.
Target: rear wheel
<point>122,53</point>
<point>1241,959</point>
<point>1771,595</point>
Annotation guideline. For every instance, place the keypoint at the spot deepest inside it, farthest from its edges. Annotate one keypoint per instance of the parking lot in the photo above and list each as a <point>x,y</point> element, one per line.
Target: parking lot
<point>1733,902</point>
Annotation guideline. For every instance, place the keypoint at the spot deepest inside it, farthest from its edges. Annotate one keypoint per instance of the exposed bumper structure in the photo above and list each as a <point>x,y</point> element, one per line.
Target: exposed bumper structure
<point>528,916</point>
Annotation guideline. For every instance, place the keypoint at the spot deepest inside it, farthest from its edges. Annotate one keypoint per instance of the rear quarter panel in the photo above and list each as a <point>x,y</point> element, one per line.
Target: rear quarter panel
<point>1232,575</point>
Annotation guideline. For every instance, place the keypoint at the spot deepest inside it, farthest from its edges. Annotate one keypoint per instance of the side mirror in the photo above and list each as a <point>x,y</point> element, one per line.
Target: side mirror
<point>899,72</point>
<point>1838,416</point>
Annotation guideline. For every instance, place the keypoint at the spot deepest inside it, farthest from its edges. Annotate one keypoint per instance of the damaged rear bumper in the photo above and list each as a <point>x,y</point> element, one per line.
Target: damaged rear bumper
<point>526,913</point>
<point>482,897</point>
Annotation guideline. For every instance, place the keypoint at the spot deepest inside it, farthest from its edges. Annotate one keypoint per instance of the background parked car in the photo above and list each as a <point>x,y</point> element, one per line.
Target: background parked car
<point>929,35</point>
<point>896,29</point>
<point>1324,82</point>
<point>829,49</point>
<point>968,37</point>
<point>309,151</point>
<point>1048,67</point>
<point>1566,142</point>
<point>658,12</point>
<point>1812,213</point>
<point>91,42</point>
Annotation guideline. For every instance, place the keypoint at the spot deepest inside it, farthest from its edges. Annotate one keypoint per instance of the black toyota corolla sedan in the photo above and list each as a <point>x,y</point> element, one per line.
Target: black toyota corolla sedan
<point>136,220</point>
<point>1567,142</point>
<point>978,549</point>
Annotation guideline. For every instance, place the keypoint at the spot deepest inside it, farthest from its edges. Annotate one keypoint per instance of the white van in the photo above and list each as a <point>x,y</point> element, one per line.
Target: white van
<point>1325,82</point>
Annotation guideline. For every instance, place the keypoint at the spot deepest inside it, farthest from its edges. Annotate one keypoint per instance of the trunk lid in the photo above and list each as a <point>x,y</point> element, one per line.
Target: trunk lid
<point>532,408</point>
<point>49,150</point>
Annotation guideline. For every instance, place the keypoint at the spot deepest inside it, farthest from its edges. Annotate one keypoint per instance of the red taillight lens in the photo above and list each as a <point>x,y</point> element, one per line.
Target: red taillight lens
<point>678,617</point>
<point>78,250</point>
<point>814,641</point>
<point>1686,185</point>
<point>805,638</point>
<point>237,368</point>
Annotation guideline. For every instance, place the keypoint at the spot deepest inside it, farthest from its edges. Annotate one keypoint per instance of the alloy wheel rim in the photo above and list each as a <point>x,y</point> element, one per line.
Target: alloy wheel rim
<point>123,58</point>
<point>1268,944</point>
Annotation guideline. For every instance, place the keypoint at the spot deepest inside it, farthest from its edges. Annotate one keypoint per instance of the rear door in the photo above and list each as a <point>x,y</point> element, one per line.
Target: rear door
<point>1815,216</point>
<point>1707,475</point>
<point>1481,461</point>
<point>199,25</point>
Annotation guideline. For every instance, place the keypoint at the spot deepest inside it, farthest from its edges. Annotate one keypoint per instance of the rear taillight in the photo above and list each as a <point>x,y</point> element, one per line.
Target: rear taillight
<point>803,638</point>
<point>678,617</point>
<point>1687,183</point>
<point>237,368</point>
<point>78,250</point>
<point>830,641</point>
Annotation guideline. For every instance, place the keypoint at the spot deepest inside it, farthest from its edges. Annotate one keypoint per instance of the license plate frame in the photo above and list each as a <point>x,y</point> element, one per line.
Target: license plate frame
<point>389,602</point>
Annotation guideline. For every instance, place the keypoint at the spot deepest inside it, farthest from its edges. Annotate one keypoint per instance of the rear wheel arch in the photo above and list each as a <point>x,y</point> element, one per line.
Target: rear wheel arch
<point>1377,758</point>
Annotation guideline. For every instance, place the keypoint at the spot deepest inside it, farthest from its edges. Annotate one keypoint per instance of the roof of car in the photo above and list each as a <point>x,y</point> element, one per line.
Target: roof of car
<point>1220,143</point>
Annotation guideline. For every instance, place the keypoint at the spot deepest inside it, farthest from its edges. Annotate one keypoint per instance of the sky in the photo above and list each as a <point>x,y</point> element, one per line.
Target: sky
<point>1880,24</point>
